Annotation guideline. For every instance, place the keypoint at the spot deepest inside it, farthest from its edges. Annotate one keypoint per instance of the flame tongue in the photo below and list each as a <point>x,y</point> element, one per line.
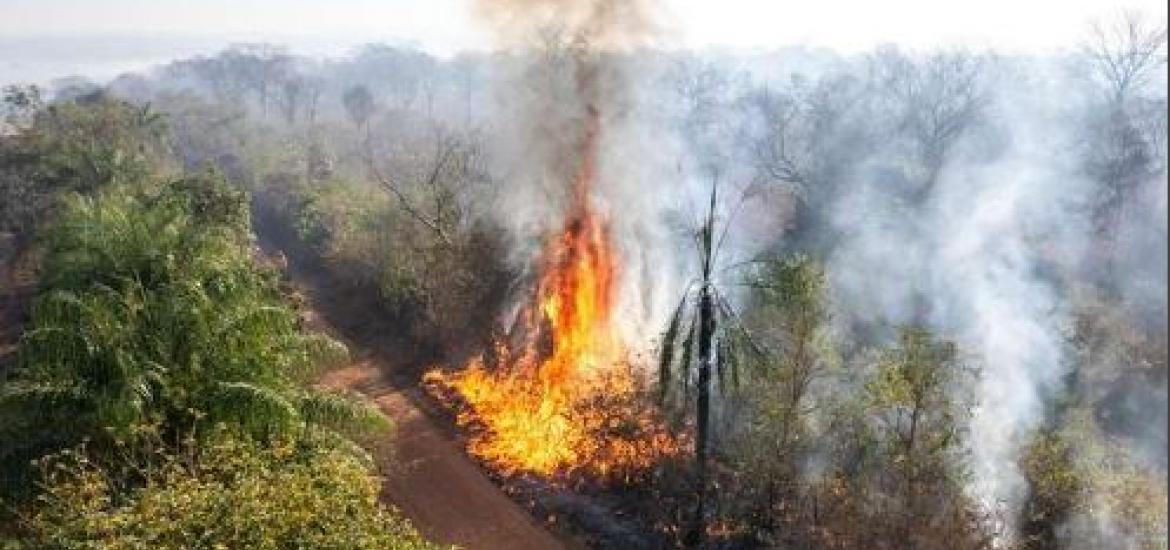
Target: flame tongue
<point>576,293</point>
<point>573,406</point>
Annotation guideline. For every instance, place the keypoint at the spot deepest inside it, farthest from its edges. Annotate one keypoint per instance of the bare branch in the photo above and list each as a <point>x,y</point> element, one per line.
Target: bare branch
<point>407,206</point>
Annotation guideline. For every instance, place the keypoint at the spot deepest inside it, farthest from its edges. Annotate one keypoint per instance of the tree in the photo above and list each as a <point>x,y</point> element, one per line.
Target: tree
<point>1124,53</point>
<point>258,67</point>
<point>82,145</point>
<point>936,100</point>
<point>426,186</point>
<point>360,106</point>
<point>20,104</point>
<point>314,87</point>
<point>788,315</point>
<point>803,139</point>
<point>293,92</point>
<point>435,178</point>
<point>917,398</point>
<point>705,318</point>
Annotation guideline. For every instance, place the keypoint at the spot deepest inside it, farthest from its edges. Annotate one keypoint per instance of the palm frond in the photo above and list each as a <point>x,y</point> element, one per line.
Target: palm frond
<point>344,413</point>
<point>688,346</point>
<point>259,409</point>
<point>669,341</point>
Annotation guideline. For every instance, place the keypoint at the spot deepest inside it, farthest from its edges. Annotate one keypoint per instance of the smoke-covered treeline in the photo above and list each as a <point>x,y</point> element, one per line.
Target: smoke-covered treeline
<point>949,266</point>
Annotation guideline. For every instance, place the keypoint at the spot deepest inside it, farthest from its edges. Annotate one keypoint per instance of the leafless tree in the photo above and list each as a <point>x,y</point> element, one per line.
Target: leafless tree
<point>1126,137</point>
<point>704,90</point>
<point>1125,53</point>
<point>935,101</point>
<point>803,137</point>
<point>313,88</point>
<point>427,180</point>
<point>783,148</point>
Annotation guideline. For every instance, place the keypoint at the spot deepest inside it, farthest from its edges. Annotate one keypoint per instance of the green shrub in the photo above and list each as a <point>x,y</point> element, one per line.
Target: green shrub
<point>152,311</point>
<point>226,492</point>
<point>83,145</point>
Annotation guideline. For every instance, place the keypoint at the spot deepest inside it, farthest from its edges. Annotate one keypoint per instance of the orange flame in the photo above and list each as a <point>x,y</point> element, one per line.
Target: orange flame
<point>574,406</point>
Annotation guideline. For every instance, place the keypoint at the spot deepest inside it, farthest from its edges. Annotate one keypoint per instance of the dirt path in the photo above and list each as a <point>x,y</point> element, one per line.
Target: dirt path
<point>428,476</point>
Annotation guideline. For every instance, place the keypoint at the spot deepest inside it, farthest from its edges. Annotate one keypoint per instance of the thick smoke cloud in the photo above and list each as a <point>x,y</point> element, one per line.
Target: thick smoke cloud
<point>978,260</point>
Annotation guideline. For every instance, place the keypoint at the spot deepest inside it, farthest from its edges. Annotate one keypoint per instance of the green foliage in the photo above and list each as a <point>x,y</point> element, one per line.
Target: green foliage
<point>918,407</point>
<point>152,311</point>
<point>1087,489</point>
<point>916,394</point>
<point>224,492</point>
<point>1056,488</point>
<point>442,290</point>
<point>773,435</point>
<point>336,215</point>
<point>82,146</point>
<point>789,317</point>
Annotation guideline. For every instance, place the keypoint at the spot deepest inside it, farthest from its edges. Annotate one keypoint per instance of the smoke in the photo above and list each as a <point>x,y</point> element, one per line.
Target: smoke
<point>976,252</point>
<point>600,25</point>
<point>987,253</point>
<point>565,65</point>
<point>979,247</point>
<point>985,259</point>
<point>969,256</point>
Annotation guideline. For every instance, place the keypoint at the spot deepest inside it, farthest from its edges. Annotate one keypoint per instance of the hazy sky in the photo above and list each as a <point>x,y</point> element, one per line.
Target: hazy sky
<point>444,26</point>
<point>41,40</point>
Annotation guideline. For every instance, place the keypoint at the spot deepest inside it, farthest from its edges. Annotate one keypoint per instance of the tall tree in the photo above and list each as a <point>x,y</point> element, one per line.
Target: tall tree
<point>360,106</point>
<point>917,397</point>
<point>714,327</point>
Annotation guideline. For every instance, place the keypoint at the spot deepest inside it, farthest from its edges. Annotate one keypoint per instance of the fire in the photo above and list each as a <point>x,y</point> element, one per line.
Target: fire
<point>565,399</point>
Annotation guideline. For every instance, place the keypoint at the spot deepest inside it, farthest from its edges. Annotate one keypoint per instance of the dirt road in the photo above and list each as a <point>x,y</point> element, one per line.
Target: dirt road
<point>428,477</point>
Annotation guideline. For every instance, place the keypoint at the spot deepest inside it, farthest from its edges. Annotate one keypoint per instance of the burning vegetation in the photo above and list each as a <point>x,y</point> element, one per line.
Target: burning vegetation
<point>562,396</point>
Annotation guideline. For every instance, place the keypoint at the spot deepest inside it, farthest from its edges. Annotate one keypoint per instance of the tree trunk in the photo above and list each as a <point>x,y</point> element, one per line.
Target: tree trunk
<point>703,390</point>
<point>703,411</point>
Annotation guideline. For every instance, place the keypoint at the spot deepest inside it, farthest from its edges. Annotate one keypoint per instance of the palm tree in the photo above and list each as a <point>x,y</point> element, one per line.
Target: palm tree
<point>713,325</point>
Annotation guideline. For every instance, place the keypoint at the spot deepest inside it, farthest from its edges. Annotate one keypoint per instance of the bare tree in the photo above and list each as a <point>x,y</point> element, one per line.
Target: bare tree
<point>935,101</point>
<point>427,185</point>
<point>1125,52</point>
<point>313,88</point>
<point>704,91</point>
<point>261,66</point>
<point>783,149</point>
<point>802,138</point>
<point>1125,138</point>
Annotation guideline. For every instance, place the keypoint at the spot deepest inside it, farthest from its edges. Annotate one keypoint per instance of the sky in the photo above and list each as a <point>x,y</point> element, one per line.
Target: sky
<point>96,36</point>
